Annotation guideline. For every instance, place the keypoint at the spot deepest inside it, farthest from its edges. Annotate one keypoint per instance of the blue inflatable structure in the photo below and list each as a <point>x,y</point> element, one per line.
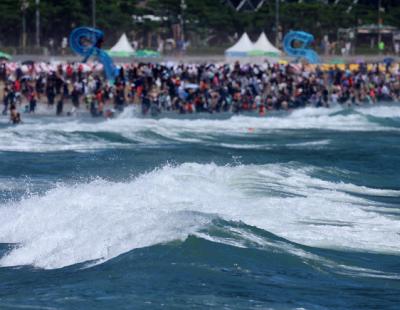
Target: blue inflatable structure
<point>86,42</point>
<point>303,51</point>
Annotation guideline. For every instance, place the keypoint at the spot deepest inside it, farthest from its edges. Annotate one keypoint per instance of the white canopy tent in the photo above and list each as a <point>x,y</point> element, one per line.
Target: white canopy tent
<point>264,47</point>
<point>241,48</point>
<point>122,48</point>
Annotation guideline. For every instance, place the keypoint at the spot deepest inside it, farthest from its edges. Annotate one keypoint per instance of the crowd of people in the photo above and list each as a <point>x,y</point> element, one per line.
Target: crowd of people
<point>190,88</point>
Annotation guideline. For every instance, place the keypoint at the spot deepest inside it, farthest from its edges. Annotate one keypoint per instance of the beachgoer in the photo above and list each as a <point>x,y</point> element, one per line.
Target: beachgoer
<point>15,116</point>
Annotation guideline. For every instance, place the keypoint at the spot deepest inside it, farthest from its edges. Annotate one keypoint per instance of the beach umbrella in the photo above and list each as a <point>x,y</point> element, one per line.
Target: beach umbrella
<point>360,60</point>
<point>5,56</point>
<point>388,61</point>
<point>44,67</point>
<point>295,67</point>
<point>98,67</point>
<point>86,68</point>
<point>11,66</point>
<point>24,69</point>
<point>191,86</point>
<point>146,53</point>
<point>337,61</point>
<point>28,62</point>
<point>354,67</point>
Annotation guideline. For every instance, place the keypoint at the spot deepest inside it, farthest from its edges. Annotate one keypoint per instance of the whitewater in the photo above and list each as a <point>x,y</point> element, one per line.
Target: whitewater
<point>293,210</point>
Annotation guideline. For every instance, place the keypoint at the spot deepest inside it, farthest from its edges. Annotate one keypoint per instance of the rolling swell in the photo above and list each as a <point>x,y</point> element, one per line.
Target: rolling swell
<point>209,273</point>
<point>89,135</point>
<point>99,220</point>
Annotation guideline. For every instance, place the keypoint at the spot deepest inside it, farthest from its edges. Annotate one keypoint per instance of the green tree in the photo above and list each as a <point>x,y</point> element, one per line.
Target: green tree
<point>10,22</point>
<point>202,18</point>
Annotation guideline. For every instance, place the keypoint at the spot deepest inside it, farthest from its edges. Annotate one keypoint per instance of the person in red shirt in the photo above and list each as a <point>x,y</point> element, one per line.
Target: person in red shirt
<point>17,86</point>
<point>70,71</point>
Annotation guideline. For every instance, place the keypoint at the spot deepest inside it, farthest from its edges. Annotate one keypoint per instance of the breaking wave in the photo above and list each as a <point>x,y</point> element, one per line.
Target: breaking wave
<point>123,132</point>
<point>99,220</point>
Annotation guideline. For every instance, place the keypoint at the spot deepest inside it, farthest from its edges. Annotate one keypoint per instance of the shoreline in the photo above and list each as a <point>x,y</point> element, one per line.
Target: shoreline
<point>134,111</point>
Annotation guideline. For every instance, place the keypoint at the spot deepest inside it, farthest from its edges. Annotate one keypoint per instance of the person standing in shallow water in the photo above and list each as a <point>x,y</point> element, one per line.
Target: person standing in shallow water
<point>15,116</point>
<point>50,92</point>
<point>6,100</point>
<point>32,101</point>
<point>60,106</point>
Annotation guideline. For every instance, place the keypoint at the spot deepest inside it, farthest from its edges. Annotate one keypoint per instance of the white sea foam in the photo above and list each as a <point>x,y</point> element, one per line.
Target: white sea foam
<point>245,146</point>
<point>101,219</point>
<point>37,135</point>
<point>8,185</point>
<point>381,111</point>
<point>317,143</point>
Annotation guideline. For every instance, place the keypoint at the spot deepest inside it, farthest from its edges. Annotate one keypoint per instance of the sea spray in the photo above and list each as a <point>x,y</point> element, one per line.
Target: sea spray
<point>101,219</point>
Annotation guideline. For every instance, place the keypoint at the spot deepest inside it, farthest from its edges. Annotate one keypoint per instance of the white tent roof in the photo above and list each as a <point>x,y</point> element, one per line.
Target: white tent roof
<point>244,45</point>
<point>264,45</point>
<point>122,45</point>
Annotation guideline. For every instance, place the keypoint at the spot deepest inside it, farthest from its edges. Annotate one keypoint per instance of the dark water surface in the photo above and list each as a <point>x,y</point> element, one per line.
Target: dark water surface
<point>283,212</point>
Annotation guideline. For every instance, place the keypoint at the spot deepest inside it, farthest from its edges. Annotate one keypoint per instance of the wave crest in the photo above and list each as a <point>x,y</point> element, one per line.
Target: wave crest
<point>41,135</point>
<point>100,219</point>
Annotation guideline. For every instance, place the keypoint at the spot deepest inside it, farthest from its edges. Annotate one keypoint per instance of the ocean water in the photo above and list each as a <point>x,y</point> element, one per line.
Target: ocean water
<point>288,211</point>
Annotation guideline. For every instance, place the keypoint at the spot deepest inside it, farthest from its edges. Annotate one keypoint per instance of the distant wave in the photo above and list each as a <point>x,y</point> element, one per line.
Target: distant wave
<point>86,135</point>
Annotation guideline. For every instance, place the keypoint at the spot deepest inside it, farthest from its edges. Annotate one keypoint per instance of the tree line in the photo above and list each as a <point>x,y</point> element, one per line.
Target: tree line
<point>203,19</point>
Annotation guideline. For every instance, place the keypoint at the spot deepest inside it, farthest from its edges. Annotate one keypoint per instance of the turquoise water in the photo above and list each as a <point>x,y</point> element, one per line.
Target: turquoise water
<point>234,212</point>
